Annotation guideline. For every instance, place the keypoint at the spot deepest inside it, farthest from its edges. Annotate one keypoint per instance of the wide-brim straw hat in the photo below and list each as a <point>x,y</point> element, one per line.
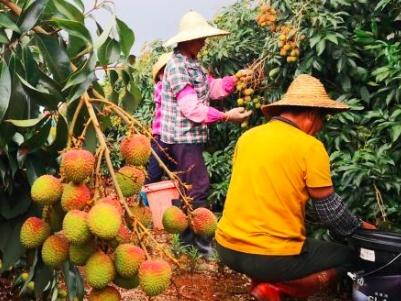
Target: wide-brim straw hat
<point>308,92</point>
<point>194,26</point>
<point>160,64</point>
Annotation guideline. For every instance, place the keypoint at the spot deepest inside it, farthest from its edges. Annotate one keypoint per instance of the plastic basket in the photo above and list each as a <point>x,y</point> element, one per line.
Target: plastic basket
<point>159,196</point>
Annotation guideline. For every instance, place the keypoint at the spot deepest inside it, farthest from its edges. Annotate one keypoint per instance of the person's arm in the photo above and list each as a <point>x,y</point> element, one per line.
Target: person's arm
<point>330,207</point>
<point>195,111</point>
<point>221,87</point>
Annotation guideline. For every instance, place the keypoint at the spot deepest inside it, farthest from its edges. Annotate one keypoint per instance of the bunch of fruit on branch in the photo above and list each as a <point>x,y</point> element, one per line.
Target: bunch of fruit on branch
<point>97,221</point>
<point>267,17</point>
<point>288,42</point>
<point>95,230</point>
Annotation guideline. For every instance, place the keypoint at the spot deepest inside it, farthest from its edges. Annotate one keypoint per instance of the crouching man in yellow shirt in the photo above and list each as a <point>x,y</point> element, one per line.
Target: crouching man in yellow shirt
<point>277,168</point>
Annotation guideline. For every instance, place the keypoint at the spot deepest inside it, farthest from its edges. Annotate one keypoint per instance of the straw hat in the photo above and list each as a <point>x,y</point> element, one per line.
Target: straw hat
<point>305,91</point>
<point>193,26</point>
<point>160,64</point>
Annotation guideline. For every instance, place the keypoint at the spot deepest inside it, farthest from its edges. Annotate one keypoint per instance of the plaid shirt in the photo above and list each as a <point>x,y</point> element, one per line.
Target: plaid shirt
<point>181,71</point>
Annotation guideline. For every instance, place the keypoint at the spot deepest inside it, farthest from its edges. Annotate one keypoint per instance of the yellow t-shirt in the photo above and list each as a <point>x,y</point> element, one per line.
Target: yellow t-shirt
<point>265,205</point>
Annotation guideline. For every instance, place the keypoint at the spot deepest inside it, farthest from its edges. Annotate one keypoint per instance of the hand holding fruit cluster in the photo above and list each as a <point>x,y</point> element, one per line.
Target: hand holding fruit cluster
<point>267,17</point>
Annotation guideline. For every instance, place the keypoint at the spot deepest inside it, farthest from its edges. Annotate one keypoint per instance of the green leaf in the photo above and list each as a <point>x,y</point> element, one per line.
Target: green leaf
<point>6,22</point>
<point>75,29</point>
<point>101,39</point>
<point>43,276</point>
<point>67,10</point>
<point>332,38</point>
<point>31,15</point>
<point>395,132</point>
<point>81,75</point>
<point>27,122</point>
<point>41,96</point>
<point>55,55</point>
<point>127,37</point>
<point>90,142</point>
<point>79,4</point>
<point>3,38</point>
<point>38,138</point>
<point>5,89</point>
<point>12,249</point>
<point>109,52</point>
<point>320,47</point>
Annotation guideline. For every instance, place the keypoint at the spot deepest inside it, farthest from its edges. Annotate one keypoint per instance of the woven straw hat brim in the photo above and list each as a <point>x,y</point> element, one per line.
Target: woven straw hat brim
<point>308,92</point>
<point>160,64</point>
<point>193,34</point>
<point>275,109</point>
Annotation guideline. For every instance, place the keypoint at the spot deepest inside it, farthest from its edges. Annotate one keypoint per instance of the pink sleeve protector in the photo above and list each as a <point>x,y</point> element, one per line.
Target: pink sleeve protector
<point>190,107</point>
<point>221,87</point>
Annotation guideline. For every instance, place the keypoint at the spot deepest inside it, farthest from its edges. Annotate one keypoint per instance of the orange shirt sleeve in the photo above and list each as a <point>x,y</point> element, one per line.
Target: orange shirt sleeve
<point>318,167</point>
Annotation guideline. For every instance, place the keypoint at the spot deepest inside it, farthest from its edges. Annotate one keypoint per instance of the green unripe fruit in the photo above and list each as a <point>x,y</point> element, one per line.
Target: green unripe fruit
<point>75,227</point>
<point>104,221</point>
<point>174,220</point>
<point>46,190</point>
<point>99,270</point>
<point>34,232</point>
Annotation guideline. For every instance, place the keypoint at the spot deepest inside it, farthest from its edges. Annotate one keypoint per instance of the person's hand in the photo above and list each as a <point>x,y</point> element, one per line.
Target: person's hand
<point>237,115</point>
<point>367,226</point>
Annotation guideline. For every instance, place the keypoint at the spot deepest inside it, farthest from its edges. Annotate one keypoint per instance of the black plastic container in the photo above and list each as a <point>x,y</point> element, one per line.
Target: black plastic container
<point>377,249</point>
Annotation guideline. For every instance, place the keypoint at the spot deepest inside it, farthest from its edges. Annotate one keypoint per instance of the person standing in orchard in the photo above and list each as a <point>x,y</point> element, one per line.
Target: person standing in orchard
<point>186,113</point>
<point>155,172</point>
<point>277,168</point>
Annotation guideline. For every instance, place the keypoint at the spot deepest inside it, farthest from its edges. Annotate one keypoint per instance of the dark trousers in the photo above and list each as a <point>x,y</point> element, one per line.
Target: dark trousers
<point>155,172</point>
<point>316,256</point>
<point>192,171</point>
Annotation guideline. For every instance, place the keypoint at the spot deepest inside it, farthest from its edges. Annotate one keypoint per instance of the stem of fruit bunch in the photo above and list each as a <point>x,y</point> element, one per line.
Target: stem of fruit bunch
<point>129,120</point>
<point>99,157</point>
<point>73,122</point>
<point>106,154</point>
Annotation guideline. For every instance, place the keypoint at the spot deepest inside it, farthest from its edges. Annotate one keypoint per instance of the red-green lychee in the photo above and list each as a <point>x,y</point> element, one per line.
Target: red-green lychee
<point>123,235</point>
<point>55,250</point>
<point>99,270</point>
<point>108,293</point>
<point>154,276</point>
<point>75,227</point>
<point>79,254</point>
<point>130,180</point>
<point>112,200</point>
<point>46,190</point>
<point>77,165</point>
<point>127,259</point>
<point>34,232</point>
<point>104,220</point>
<point>203,222</point>
<point>136,149</point>
<point>75,196</point>
<point>174,220</point>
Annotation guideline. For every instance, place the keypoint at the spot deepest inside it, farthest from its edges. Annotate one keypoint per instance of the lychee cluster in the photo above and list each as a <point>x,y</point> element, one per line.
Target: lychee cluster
<point>267,17</point>
<point>95,232</point>
<point>202,221</point>
<point>288,43</point>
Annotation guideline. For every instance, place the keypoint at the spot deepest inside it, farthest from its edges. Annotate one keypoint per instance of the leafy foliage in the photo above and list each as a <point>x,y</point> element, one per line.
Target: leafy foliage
<point>353,48</point>
<point>48,60</point>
